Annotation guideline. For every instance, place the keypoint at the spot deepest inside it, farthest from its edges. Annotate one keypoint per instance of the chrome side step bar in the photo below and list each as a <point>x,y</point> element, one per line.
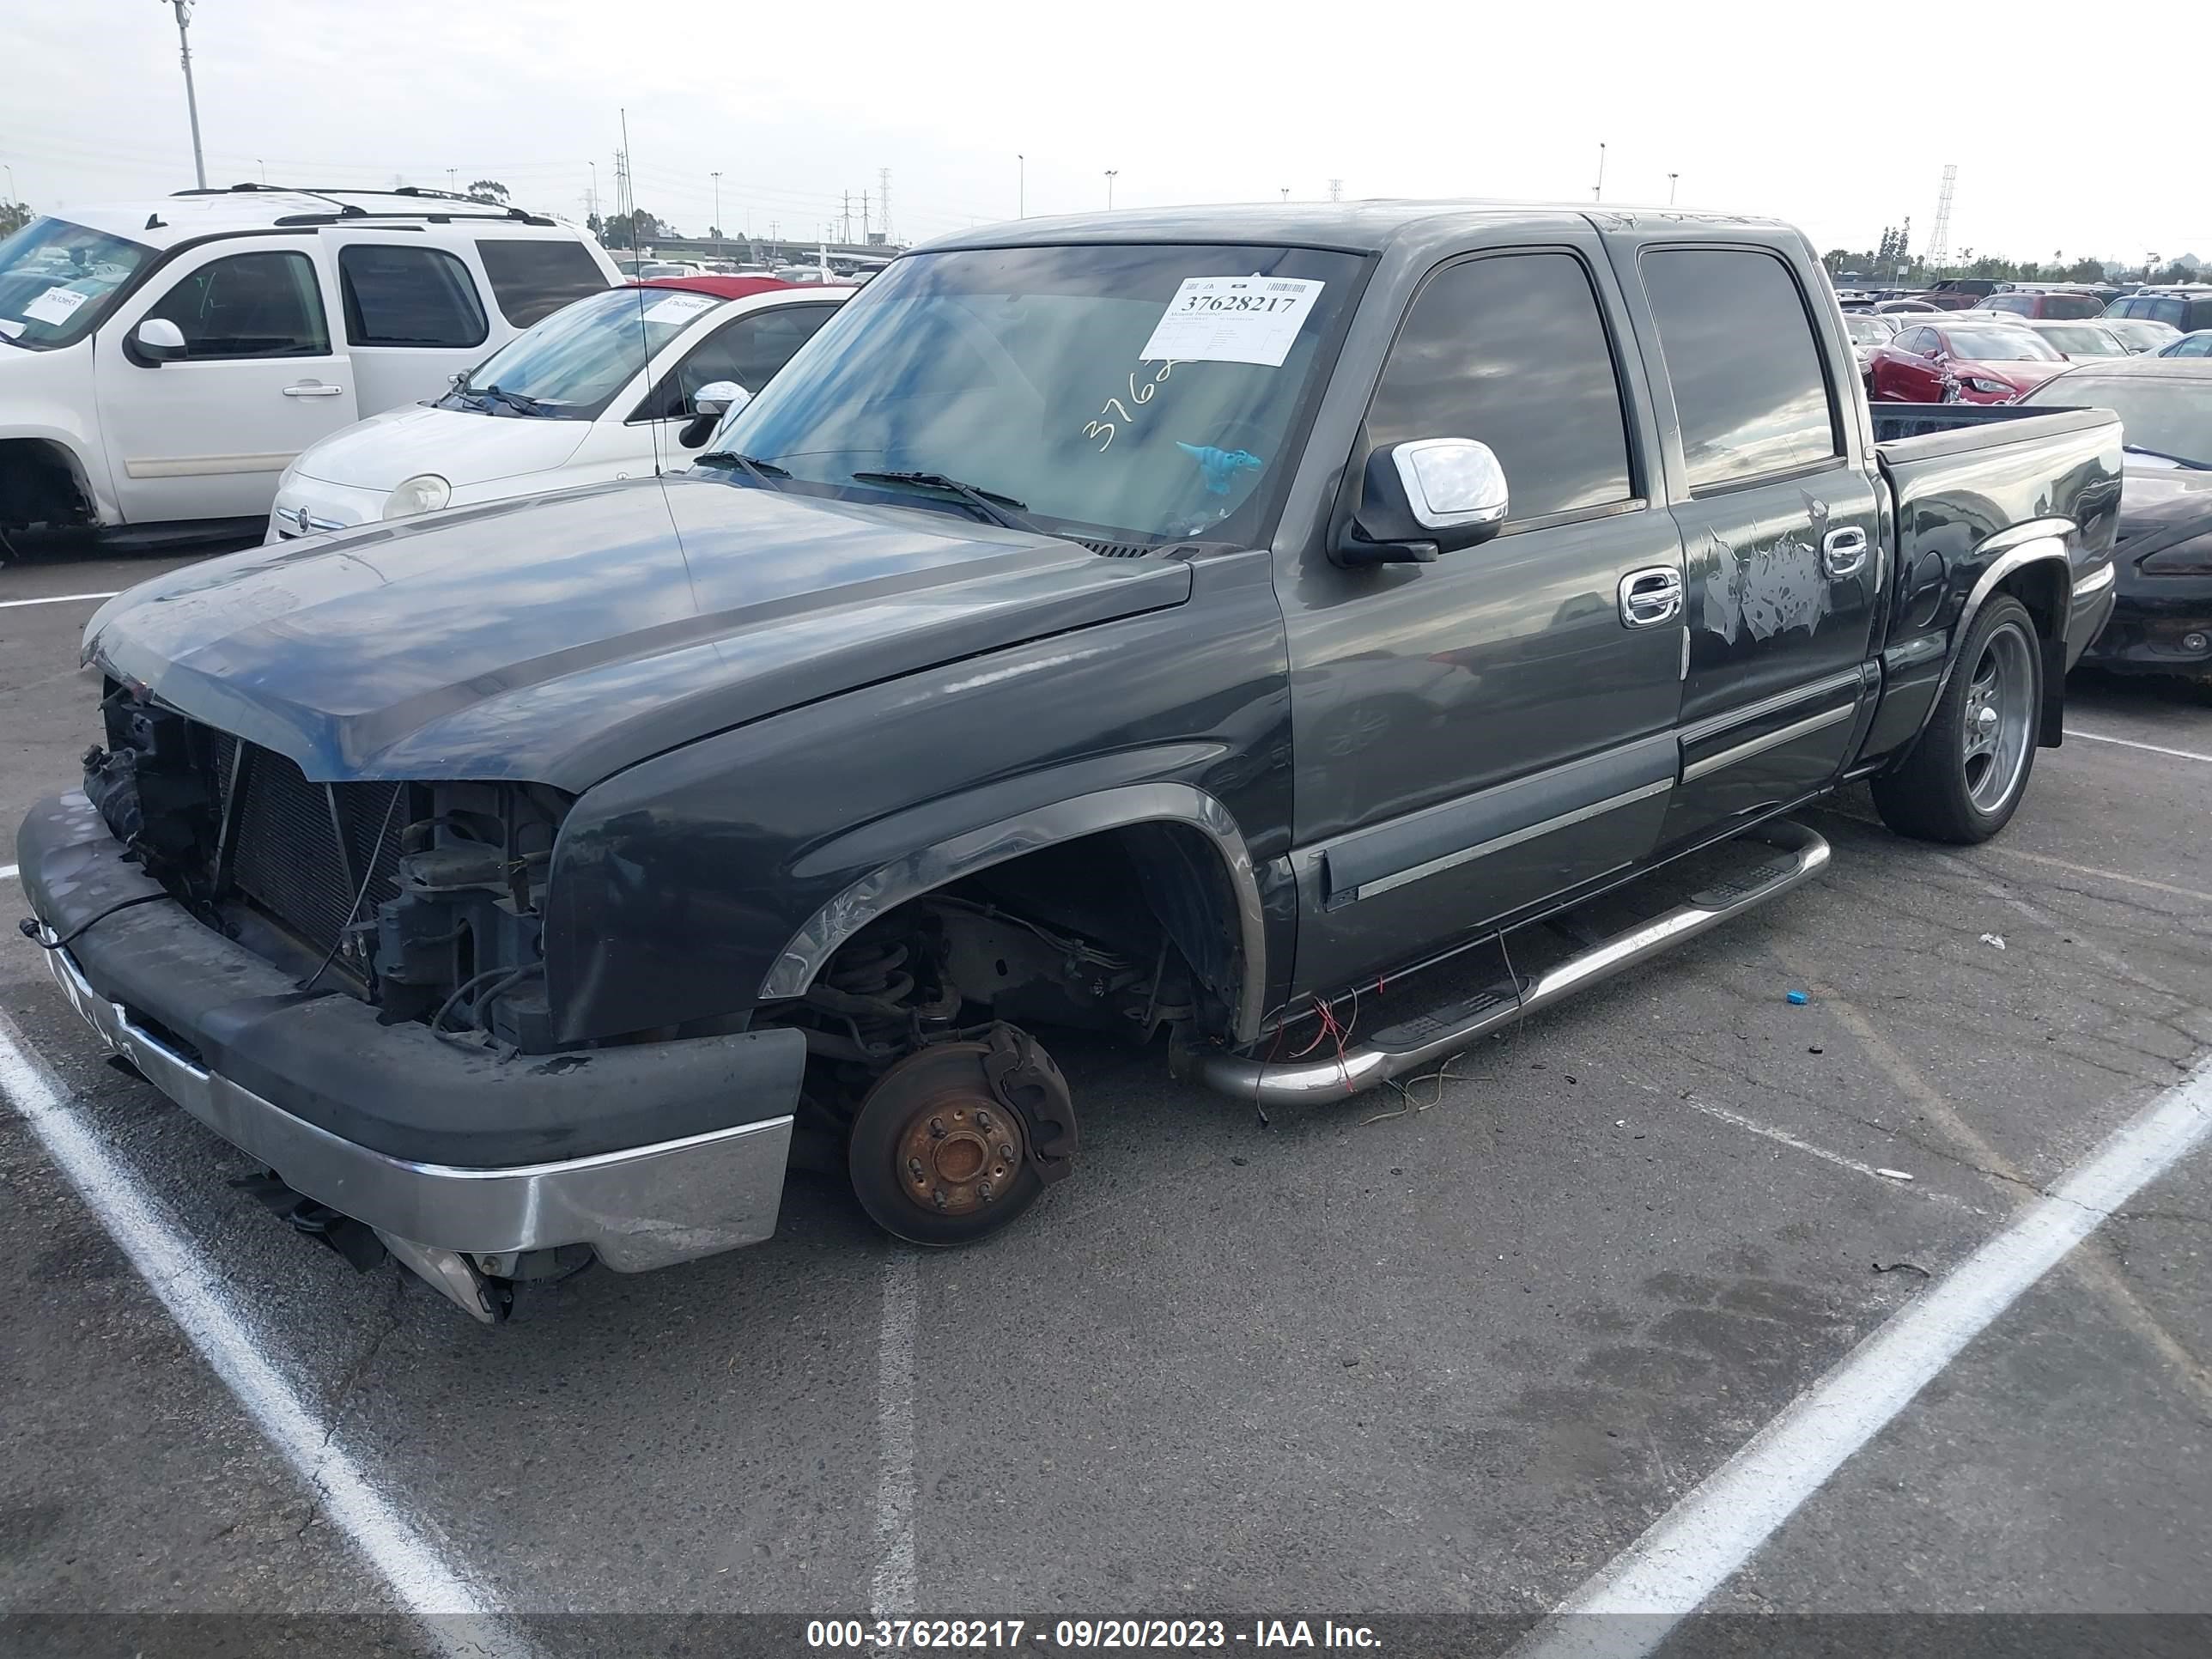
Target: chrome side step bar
<point>1415,1042</point>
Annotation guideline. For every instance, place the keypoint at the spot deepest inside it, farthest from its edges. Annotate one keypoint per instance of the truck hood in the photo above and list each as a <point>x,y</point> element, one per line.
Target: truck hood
<point>560,638</point>
<point>460,446</point>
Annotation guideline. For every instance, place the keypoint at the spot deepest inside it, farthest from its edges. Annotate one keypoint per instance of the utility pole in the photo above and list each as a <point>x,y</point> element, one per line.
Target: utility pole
<point>1671,178</point>
<point>184,8</point>
<point>845,222</point>
<point>1021,186</point>
<point>1598,195</point>
<point>717,177</point>
<point>1111,174</point>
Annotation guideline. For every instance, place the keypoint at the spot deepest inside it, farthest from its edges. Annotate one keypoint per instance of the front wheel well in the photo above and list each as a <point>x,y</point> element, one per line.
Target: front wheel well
<point>1124,930</point>
<point>42,486</point>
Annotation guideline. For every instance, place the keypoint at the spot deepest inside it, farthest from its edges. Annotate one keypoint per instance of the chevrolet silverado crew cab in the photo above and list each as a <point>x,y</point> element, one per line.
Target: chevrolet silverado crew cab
<point>1183,626</point>
<point>161,363</point>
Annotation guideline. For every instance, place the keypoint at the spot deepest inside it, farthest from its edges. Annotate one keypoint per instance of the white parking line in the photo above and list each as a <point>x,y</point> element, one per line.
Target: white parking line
<point>56,598</point>
<point>461,1619</point>
<point>894,1587</point>
<point>2091,869</point>
<point>1784,1138</point>
<point>2150,748</point>
<point>7,873</point>
<point>1698,1544</point>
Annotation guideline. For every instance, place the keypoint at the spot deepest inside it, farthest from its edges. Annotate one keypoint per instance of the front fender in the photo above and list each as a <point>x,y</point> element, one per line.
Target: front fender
<point>697,882</point>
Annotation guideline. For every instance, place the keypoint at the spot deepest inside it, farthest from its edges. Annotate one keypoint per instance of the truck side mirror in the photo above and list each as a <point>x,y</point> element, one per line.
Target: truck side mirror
<point>156,341</point>
<point>1422,498</point>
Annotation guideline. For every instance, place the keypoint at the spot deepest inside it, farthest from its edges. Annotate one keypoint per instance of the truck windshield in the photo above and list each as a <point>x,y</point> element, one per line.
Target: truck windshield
<point>1137,394</point>
<point>569,367</point>
<point>57,280</point>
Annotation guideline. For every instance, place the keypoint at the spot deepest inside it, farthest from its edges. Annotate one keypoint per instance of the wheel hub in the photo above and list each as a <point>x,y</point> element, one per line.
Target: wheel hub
<point>959,1150</point>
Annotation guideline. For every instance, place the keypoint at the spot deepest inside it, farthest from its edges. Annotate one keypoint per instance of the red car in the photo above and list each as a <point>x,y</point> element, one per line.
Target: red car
<point>1959,362</point>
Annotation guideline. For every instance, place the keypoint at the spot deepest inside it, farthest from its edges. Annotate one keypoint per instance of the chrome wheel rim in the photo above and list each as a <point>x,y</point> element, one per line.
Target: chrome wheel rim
<point>1999,717</point>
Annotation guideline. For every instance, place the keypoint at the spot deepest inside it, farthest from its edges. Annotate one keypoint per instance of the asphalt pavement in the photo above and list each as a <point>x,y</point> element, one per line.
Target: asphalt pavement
<point>1440,1351</point>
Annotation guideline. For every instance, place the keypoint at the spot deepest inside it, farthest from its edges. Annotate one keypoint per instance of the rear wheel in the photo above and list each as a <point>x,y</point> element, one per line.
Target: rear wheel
<point>1965,778</point>
<point>956,1142</point>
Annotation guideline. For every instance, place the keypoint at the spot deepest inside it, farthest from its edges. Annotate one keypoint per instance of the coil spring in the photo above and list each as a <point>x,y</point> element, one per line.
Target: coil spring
<point>874,971</point>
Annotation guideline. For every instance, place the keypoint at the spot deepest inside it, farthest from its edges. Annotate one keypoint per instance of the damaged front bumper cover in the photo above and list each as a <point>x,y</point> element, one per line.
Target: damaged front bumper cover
<point>649,1154</point>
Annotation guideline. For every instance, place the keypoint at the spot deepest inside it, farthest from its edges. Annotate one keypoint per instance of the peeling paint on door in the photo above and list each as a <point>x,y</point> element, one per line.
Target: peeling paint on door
<point>1769,587</point>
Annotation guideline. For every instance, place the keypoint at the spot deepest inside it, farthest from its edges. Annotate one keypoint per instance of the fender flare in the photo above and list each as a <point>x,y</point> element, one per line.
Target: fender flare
<point>2038,541</point>
<point>927,868</point>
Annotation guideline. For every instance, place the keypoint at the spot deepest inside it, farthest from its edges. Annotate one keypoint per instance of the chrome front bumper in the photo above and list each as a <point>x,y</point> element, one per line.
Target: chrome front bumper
<point>638,1208</point>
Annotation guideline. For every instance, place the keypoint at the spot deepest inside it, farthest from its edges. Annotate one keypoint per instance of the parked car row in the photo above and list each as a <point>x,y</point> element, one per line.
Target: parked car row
<point>162,362</point>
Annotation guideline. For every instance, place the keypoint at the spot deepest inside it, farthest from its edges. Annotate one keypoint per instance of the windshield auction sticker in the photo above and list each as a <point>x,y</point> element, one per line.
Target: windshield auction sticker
<point>1233,320</point>
<point>57,305</point>
<point>679,307</point>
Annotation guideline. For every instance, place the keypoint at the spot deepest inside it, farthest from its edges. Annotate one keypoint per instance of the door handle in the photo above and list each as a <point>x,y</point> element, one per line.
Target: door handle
<point>314,389</point>
<point>1843,550</point>
<point>1650,596</point>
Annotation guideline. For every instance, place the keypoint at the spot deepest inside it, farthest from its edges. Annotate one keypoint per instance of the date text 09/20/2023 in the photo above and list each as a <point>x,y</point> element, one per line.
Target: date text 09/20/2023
<point>848,1634</point>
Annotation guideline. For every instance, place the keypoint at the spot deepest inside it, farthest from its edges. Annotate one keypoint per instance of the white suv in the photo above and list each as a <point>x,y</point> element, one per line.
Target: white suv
<point>162,362</point>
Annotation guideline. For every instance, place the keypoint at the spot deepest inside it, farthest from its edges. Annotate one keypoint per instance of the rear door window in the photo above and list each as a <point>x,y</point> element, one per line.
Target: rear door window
<point>1480,334</point>
<point>249,305</point>
<point>531,280</point>
<point>2071,305</point>
<point>1750,395</point>
<point>398,296</point>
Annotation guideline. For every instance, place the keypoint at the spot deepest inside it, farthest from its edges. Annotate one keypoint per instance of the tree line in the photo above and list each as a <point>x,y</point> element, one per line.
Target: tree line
<point>1892,260</point>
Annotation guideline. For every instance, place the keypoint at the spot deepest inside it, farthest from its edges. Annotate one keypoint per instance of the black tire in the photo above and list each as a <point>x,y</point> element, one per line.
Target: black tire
<point>946,1082</point>
<point>1940,792</point>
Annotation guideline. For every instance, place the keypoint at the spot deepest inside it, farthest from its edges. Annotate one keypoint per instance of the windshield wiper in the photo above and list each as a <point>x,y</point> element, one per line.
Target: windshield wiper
<point>2179,460</point>
<point>514,400</point>
<point>765,472</point>
<point>1003,511</point>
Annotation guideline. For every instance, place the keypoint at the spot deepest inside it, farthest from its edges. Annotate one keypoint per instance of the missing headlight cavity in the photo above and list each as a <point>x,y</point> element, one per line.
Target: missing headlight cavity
<point>414,897</point>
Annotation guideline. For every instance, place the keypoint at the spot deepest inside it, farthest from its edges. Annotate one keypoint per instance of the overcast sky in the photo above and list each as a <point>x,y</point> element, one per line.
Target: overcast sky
<point>1801,111</point>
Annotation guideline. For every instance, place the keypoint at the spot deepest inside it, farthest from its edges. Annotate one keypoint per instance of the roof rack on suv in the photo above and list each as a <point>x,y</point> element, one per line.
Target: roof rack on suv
<point>343,209</point>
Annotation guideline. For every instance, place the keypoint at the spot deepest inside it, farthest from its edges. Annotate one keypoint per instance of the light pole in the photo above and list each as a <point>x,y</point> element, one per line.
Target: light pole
<point>717,178</point>
<point>11,184</point>
<point>264,166</point>
<point>1021,186</point>
<point>453,181</point>
<point>1671,178</point>
<point>1111,174</point>
<point>1287,193</point>
<point>184,8</point>
<point>594,166</point>
<point>1598,194</point>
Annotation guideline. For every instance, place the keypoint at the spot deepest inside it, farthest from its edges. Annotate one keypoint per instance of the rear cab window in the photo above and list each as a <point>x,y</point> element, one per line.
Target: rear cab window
<point>400,295</point>
<point>1750,384</point>
<point>2071,307</point>
<point>1480,331</point>
<point>531,279</point>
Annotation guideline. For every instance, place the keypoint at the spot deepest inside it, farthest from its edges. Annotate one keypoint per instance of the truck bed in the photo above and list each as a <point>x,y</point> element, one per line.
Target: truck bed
<point>1962,475</point>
